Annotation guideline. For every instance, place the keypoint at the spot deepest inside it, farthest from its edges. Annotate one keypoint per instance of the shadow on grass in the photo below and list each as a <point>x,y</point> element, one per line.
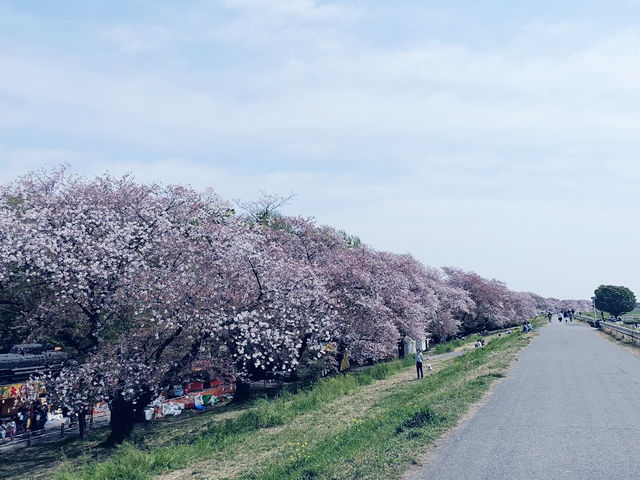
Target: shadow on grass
<point>36,462</point>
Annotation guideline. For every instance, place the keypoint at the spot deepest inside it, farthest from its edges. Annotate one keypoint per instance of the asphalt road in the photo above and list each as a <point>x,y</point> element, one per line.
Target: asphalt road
<point>568,409</point>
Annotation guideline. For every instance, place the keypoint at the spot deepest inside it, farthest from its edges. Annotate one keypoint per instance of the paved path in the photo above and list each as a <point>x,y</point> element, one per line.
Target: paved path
<point>568,409</point>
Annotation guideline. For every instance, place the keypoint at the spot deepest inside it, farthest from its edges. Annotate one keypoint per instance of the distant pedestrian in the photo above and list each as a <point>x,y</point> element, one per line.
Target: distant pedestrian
<point>419,361</point>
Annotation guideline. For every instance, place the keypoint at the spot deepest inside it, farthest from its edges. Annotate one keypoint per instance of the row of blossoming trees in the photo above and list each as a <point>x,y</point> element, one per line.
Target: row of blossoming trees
<point>138,282</point>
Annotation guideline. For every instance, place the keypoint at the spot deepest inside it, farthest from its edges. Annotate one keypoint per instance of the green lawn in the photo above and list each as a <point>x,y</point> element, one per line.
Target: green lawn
<point>630,317</point>
<point>451,345</point>
<point>382,444</point>
<point>363,425</point>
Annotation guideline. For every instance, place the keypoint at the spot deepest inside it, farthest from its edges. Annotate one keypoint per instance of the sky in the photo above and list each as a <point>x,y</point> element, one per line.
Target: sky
<point>496,136</point>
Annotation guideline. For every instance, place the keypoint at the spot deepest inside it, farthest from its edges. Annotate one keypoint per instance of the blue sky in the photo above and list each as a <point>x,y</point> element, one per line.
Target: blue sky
<point>495,136</point>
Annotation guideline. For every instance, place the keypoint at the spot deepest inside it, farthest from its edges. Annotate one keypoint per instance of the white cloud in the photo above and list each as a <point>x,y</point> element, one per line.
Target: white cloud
<point>290,9</point>
<point>482,157</point>
<point>332,104</point>
<point>136,39</point>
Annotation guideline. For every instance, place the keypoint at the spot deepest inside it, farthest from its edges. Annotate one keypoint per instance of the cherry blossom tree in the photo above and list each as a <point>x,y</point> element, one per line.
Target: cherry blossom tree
<point>139,281</point>
<point>454,305</point>
<point>378,297</point>
<point>492,300</point>
<point>522,307</point>
<point>97,249</point>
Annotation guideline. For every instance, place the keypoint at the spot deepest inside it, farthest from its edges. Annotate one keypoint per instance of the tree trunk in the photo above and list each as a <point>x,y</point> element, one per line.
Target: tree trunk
<point>124,415</point>
<point>82,424</point>
<point>242,391</point>
<point>122,420</point>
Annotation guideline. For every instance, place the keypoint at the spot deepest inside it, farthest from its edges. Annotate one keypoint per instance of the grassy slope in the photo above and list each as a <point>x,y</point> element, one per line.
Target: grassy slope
<point>181,444</point>
<point>451,345</point>
<point>362,425</point>
<point>632,316</point>
<point>380,444</point>
<point>461,343</point>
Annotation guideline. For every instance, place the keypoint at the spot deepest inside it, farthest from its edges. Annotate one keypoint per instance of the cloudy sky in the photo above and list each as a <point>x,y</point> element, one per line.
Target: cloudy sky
<point>497,136</point>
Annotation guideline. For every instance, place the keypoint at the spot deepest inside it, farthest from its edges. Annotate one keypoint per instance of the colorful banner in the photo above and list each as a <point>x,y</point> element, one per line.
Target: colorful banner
<point>17,390</point>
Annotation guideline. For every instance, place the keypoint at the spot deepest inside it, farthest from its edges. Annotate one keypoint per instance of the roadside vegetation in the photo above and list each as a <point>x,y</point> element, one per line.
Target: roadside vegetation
<point>458,344</point>
<point>358,425</point>
<point>451,345</point>
<point>615,299</point>
<point>188,428</point>
<point>629,319</point>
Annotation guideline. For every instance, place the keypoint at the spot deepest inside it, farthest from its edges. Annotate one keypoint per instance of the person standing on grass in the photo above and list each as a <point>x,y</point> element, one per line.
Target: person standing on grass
<point>419,360</point>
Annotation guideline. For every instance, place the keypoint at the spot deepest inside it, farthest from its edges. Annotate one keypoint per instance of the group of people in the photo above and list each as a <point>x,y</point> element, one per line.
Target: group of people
<point>479,343</point>
<point>37,419</point>
<point>8,429</point>
<point>25,419</point>
<point>526,326</point>
<point>566,315</point>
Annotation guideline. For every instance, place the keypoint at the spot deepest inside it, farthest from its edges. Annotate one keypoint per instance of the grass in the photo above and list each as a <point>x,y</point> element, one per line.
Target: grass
<point>188,428</point>
<point>361,425</point>
<point>145,458</point>
<point>458,343</point>
<point>451,345</point>
<point>621,338</point>
<point>629,320</point>
<point>631,317</point>
<point>382,445</point>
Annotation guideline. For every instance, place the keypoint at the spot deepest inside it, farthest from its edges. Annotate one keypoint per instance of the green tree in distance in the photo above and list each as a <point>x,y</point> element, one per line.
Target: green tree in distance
<point>615,299</point>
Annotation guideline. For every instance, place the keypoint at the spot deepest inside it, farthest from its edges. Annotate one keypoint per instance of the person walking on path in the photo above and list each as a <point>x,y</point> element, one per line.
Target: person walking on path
<point>419,360</point>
